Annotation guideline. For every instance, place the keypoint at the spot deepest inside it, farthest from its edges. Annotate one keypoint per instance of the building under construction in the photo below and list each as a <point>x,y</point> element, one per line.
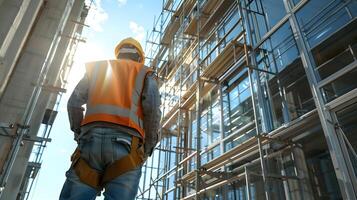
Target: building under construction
<point>38,39</point>
<point>258,100</point>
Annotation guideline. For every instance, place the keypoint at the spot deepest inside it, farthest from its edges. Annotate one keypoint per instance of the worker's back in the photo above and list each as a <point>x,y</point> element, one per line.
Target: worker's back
<point>119,129</point>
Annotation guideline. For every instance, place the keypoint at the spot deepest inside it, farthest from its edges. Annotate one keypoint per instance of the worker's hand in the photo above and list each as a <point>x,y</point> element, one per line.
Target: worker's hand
<point>76,137</point>
<point>75,116</point>
<point>76,133</point>
<point>148,149</point>
<point>142,153</point>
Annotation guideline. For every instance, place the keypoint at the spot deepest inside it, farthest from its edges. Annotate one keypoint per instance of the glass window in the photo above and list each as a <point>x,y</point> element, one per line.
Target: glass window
<point>189,74</point>
<point>285,88</point>
<point>171,181</point>
<point>229,29</point>
<point>169,154</point>
<point>193,130</point>
<point>210,126</point>
<point>204,131</point>
<point>237,191</point>
<point>169,95</point>
<point>237,110</point>
<point>297,91</point>
<point>239,138</point>
<point>319,20</point>
<point>278,51</point>
<point>330,30</point>
<point>172,151</point>
<point>210,119</point>
<point>210,154</point>
<point>171,195</point>
<point>192,164</point>
<point>291,92</point>
<point>274,10</point>
<point>329,63</point>
<point>263,15</point>
<point>208,50</point>
<point>237,105</point>
<point>192,139</point>
<point>340,86</point>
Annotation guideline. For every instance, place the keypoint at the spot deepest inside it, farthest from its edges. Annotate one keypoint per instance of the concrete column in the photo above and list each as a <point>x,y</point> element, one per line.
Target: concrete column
<point>300,189</point>
<point>13,28</point>
<point>303,172</point>
<point>13,40</point>
<point>8,11</point>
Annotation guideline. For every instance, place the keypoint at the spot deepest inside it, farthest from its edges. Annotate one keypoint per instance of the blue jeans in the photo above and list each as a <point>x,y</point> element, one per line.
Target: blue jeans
<point>100,147</point>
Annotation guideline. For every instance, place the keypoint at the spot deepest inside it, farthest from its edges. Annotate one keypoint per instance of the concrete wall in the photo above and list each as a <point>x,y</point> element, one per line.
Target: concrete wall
<point>24,71</point>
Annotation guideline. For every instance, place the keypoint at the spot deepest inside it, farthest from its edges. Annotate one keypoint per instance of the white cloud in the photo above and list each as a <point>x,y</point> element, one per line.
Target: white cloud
<point>137,30</point>
<point>122,2</point>
<point>96,16</point>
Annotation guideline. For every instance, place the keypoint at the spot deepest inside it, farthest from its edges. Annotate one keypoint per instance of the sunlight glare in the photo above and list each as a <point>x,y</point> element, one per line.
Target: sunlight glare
<point>86,52</point>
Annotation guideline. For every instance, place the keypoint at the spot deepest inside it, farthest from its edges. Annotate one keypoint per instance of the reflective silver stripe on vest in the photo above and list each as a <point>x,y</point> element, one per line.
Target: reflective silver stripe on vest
<point>135,97</point>
<point>114,110</point>
<point>94,77</point>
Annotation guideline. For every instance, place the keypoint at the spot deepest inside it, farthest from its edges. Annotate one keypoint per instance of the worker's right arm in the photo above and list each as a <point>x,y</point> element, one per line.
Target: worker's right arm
<point>75,110</point>
<point>152,113</point>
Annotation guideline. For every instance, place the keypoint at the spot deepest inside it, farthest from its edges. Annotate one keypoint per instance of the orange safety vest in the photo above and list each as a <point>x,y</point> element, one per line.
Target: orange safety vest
<point>115,88</point>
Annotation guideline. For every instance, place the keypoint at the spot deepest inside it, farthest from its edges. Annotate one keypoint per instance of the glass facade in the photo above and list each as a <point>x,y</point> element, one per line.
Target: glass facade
<point>264,123</point>
<point>237,111</point>
<point>319,20</point>
<point>283,80</point>
<point>210,127</point>
<point>263,16</point>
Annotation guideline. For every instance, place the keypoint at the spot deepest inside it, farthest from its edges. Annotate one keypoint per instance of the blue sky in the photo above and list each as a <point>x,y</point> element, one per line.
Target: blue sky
<point>110,21</point>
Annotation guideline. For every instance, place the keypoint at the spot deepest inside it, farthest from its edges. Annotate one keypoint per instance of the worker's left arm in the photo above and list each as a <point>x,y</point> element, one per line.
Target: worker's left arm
<point>75,110</point>
<point>152,114</point>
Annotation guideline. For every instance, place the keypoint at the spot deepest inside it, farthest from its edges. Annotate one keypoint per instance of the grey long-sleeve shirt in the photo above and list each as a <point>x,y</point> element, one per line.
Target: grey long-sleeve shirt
<point>151,109</point>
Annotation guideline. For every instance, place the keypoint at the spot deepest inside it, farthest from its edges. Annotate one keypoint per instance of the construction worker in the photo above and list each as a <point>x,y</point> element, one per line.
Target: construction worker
<point>119,129</point>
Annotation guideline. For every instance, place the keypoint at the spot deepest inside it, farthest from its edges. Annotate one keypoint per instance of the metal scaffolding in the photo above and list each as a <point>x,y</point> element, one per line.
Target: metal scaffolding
<point>202,51</point>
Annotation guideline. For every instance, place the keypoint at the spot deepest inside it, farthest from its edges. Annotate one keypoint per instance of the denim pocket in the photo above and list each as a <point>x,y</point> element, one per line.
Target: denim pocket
<point>120,147</point>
